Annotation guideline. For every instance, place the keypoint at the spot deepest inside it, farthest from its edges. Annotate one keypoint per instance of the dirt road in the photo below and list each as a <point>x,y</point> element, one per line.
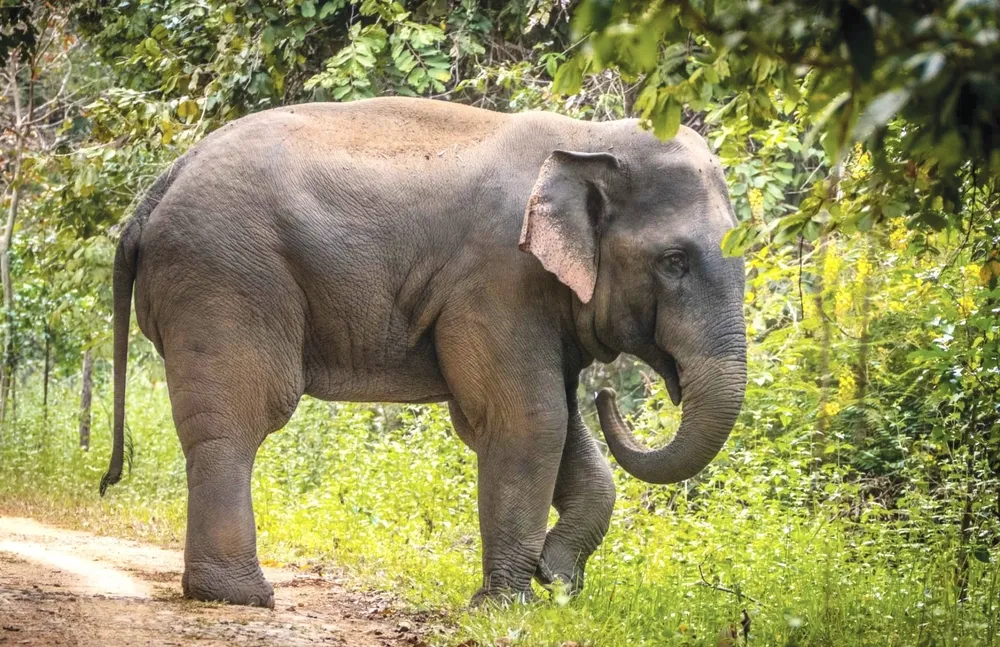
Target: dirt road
<point>62,587</point>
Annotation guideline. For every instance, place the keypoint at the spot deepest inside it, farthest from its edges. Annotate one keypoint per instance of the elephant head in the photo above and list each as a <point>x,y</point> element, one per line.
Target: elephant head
<point>637,235</point>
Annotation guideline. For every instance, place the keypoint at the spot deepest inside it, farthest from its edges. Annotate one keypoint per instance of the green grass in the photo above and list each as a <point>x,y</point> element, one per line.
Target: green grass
<point>389,494</point>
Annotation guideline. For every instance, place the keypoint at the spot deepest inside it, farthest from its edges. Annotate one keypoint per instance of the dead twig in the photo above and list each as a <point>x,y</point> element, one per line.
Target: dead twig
<point>739,595</point>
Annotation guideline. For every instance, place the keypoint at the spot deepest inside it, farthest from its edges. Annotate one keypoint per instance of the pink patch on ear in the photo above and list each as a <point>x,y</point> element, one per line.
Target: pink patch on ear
<point>542,237</point>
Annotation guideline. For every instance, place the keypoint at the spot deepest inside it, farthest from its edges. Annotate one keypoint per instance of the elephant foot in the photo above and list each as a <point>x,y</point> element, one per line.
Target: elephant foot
<point>501,597</point>
<point>557,569</point>
<point>212,583</point>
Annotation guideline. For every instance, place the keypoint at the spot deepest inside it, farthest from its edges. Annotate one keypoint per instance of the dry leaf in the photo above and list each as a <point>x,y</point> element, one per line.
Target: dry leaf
<point>728,637</point>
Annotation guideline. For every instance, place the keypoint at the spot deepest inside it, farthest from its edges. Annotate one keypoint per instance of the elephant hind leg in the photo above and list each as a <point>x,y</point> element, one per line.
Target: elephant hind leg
<point>227,395</point>
<point>584,498</point>
<point>220,554</point>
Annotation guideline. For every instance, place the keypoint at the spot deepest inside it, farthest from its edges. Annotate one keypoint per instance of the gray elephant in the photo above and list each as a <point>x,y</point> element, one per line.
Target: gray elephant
<point>410,250</point>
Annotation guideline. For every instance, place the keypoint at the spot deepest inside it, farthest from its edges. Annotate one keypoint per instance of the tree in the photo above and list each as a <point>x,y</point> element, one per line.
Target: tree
<point>36,77</point>
<point>844,69</point>
<point>86,396</point>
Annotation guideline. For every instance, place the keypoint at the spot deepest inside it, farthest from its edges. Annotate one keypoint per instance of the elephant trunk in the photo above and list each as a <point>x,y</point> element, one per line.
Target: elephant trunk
<point>712,401</point>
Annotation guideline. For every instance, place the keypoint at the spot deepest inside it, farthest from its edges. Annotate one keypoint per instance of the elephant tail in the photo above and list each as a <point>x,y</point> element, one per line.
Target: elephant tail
<point>123,278</point>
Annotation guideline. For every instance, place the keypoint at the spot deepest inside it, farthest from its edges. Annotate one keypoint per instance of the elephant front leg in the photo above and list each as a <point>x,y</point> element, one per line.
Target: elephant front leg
<point>517,474</point>
<point>584,498</point>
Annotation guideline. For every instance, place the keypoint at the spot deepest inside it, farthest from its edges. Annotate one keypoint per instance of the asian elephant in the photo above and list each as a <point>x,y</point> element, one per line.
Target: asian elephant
<point>411,250</point>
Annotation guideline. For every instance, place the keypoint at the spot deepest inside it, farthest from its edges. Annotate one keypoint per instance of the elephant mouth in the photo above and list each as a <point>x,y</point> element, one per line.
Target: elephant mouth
<point>670,371</point>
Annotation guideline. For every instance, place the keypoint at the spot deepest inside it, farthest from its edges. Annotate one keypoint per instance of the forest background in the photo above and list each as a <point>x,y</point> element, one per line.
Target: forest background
<point>858,500</point>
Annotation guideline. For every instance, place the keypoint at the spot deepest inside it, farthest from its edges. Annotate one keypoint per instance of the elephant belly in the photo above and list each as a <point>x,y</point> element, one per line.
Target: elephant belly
<point>381,386</point>
<point>412,376</point>
<point>370,309</point>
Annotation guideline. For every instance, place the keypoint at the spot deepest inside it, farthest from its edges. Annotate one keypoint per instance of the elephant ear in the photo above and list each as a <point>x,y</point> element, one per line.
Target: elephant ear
<point>566,213</point>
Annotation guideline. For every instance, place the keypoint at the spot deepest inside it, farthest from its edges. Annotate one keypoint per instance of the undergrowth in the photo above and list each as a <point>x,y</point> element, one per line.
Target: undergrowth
<point>760,546</point>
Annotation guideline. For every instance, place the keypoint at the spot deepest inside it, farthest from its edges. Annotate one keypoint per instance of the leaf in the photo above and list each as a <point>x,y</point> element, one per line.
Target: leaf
<point>340,92</point>
<point>932,219</point>
<point>551,66</point>
<point>267,40</point>
<point>925,354</point>
<point>961,5</point>
<point>989,271</point>
<point>831,146</point>
<point>167,130</point>
<point>878,113</point>
<point>982,554</point>
<point>859,35</point>
<point>328,9</point>
<point>935,62</point>
<point>439,74</point>
<point>667,120</point>
<point>417,78</point>
<point>405,62</point>
<point>308,9</point>
<point>592,15</point>
<point>569,78</point>
<point>187,109</point>
<point>737,239</point>
<point>824,117</point>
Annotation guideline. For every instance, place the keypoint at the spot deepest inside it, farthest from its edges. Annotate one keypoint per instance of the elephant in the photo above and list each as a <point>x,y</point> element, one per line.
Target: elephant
<point>415,251</point>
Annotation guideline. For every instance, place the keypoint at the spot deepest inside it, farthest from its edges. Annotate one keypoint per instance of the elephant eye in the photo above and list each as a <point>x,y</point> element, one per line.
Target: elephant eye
<point>674,263</point>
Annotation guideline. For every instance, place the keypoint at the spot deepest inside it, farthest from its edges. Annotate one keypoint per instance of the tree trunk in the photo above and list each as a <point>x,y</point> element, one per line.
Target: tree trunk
<point>826,339</point>
<point>861,370</point>
<point>13,391</point>
<point>965,523</point>
<point>6,374</point>
<point>22,123</point>
<point>86,395</point>
<point>965,538</point>
<point>45,377</point>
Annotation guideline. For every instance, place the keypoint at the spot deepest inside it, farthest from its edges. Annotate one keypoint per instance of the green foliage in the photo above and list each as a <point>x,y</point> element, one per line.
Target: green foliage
<point>845,71</point>
<point>218,60</point>
<point>413,52</point>
<point>856,502</point>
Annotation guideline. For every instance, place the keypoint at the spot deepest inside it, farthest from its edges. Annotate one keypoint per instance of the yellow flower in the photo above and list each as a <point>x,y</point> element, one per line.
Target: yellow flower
<point>966,305</point>
<point>864,267</point>
<point>756,199</point>
<point>831,268</point>
<point>862,165</point>
<point>900,236</point>
<point>842,304</point>
<point>848,385</point>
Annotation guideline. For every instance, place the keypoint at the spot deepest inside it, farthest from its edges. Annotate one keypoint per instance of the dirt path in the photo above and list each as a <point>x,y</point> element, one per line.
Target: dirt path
<point>63,587</point>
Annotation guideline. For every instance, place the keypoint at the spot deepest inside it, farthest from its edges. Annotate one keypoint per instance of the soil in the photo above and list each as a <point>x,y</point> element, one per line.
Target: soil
<point>65,587</point>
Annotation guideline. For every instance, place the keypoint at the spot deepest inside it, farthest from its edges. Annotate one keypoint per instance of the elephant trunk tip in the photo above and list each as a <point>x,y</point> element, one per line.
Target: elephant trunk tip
<point>706,421</point>
<point>634,458</point>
